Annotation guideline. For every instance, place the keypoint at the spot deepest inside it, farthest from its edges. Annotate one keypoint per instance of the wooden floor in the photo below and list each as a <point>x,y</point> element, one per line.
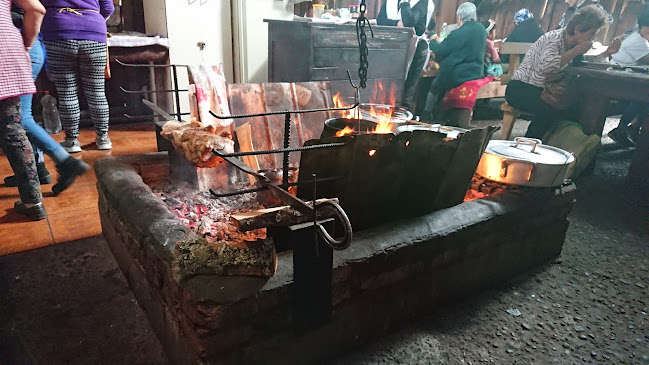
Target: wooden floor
<point>73,214</point>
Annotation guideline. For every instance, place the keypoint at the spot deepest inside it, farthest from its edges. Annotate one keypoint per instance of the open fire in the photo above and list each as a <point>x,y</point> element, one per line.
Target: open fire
<point>381,114</point>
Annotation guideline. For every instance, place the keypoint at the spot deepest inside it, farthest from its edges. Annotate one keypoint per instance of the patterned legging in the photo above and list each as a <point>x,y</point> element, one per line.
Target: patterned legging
<point>20,154</point>
<point>73,60</point>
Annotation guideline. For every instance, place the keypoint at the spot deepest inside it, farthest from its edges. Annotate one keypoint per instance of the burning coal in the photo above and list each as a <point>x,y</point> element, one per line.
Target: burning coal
<point>210,218</point>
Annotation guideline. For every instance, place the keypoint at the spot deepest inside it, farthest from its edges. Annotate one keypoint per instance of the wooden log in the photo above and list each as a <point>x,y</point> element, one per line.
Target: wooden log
<point>276,217</point>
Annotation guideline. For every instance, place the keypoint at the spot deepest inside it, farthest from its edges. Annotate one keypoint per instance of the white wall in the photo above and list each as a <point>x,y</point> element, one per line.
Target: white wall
<point>188,22</point>
<point>210,23</point>
<point>251,36</point>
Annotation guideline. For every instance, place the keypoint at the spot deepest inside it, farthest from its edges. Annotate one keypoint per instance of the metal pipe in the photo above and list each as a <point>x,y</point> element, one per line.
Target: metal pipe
<point>287,144</point>
<point>174,71</point>
<point>282,150</point>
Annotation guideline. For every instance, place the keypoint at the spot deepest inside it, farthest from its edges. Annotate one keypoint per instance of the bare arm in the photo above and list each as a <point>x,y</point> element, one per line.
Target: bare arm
<point>34,13</point>
<point>577,50</point>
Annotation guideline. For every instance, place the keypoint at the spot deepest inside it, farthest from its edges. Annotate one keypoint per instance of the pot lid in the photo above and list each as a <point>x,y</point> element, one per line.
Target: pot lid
<point>451,132</point>
<point>529,149</point>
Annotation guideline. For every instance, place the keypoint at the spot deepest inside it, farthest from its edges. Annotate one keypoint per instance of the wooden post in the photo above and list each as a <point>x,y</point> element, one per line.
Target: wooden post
<point>447,10</point>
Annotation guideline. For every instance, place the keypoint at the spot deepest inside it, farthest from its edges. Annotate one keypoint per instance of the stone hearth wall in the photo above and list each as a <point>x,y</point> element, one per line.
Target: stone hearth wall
<point>389,275</point>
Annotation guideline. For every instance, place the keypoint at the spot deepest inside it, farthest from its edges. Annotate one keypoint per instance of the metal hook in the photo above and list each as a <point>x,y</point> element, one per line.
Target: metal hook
<point>357,94</point>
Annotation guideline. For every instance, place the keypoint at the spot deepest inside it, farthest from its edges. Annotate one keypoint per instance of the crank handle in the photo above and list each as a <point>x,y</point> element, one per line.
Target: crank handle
<point>340,217</point>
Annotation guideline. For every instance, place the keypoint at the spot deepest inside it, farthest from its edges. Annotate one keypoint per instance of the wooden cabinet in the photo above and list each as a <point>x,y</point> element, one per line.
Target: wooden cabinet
<point>305,51</point>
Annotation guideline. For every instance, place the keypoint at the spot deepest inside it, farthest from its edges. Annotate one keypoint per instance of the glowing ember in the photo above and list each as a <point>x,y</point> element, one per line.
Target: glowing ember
<point>372,153</point>
<point>338,103</point>
<point>345,131</point>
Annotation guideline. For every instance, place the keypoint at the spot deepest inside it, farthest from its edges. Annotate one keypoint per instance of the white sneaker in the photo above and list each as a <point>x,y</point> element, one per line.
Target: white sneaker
<point>71,145</point>
<point>103,142</point>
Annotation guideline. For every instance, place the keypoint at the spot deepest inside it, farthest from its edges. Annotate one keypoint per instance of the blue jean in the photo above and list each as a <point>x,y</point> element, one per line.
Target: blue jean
<point>40,139</point>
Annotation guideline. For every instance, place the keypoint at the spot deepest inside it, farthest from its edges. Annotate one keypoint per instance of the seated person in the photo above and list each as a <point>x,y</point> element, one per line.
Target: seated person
<point>633,51</point>
<point>553,51</point>
<point>573,8</point>
<point>526,30</point>
<point>460,57</point>
<point>492,66</point>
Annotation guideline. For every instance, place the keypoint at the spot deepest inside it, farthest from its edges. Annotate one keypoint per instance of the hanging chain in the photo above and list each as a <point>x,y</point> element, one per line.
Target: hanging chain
<point>361,22</point>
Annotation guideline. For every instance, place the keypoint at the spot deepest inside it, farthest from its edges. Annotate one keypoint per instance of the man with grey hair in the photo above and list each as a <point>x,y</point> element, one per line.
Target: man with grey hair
<point>460,57</point>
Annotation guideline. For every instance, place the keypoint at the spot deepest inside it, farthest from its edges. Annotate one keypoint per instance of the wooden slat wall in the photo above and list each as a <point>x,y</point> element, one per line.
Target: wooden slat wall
<point>548,12</point>
<point>268,132</point>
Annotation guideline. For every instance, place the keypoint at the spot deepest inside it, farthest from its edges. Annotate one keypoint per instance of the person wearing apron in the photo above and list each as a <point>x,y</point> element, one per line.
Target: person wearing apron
<point>416,14</point>
<point>16,80</point>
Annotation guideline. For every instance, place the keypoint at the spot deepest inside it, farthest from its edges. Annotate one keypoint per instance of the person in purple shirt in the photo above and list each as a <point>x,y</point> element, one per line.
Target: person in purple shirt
<point>74,32</point>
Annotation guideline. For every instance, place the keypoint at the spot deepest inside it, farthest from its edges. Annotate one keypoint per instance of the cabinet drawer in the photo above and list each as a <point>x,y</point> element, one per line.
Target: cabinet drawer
<point>333,63</point>
<point>344,36</point>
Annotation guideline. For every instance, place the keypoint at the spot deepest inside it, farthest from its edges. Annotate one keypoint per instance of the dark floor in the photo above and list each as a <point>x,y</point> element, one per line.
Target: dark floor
<point>69,304</point>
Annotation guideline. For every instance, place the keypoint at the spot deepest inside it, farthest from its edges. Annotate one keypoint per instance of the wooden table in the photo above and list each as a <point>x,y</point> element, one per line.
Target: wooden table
<point>597,87</point>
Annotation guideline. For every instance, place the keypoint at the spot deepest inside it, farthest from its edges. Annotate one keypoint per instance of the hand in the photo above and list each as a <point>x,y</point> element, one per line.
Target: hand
<point>583,47</point>
<point>434,37</point>
<point>400,24</point>
<point>613,48</point>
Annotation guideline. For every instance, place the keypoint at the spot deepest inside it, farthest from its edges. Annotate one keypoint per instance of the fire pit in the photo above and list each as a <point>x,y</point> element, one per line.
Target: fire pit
<point>390,274</point>
<point>228,283</point>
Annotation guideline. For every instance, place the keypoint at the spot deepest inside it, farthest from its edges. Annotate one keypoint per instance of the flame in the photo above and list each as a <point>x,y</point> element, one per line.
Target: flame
<point>384,124</point>
<point>338,103</point>
<point>383,118</point>
<point>345,131</point>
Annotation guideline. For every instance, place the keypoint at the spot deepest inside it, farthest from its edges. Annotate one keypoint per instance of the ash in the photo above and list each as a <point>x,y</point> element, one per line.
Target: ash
<point>209,217</point>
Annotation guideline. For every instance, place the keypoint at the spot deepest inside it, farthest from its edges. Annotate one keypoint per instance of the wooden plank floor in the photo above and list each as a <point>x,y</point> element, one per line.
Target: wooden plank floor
<point>73,214</point>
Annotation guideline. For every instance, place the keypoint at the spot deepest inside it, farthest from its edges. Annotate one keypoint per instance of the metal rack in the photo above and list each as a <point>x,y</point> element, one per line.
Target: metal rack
<point>286,150</point>
<point>312,263</point>
<point>175,89</point>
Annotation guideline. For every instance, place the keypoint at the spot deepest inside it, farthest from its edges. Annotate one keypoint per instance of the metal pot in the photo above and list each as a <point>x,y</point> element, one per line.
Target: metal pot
<point>333,125</point>
<point>524,161</point>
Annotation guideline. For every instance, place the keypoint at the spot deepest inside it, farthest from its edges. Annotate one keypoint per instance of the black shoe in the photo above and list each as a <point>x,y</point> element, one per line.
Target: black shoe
<point>43,176</point>
<point>35,213</point>
<point>68,170</point>
<point>634,135</point>
<point>621,137</point>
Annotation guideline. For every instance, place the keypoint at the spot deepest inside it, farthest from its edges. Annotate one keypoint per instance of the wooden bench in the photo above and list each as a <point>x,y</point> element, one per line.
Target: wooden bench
<point>510,114</point>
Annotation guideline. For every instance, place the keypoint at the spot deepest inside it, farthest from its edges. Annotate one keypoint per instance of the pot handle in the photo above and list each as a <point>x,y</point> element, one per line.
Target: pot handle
<point>504,167</point>
<point>533,141</point>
